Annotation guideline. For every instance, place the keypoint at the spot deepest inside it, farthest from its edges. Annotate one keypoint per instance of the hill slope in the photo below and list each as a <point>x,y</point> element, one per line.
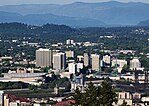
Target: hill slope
<point>144,23</point>
<point>38,19</point>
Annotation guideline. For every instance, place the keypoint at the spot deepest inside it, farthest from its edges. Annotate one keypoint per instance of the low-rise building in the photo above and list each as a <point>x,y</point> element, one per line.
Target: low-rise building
<point>124,97</point>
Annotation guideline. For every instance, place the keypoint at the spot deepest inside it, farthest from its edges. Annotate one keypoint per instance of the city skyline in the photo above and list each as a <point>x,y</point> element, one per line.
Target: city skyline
<point>18,2</point>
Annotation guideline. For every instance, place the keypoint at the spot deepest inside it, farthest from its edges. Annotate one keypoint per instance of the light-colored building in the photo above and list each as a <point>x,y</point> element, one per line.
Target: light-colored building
<point>57,65</point>
<point>43,57</point>
<point>80,58</point>
<point>6,58</point>
<point>135,64</point>
<point>72,68</point>
<point>31,78</point>
<point>69,54</point>
<point>95,62</point>
<point>14,104</point>
<point>79,66</point>
<point>59,61</point>
<point>6,100</point>
<point>1,98</point>
<point>107,59</point>
<point>65,74</point>
<point>120,64</point>
<point>69,42</point>
<point>86,59</point>
<point>124,96</point>
<point>127,51</point>
<point>36,104</point>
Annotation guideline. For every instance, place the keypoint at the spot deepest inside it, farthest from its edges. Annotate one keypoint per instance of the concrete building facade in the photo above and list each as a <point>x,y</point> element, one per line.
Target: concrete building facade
<point>135,64</point>
<point>72,68</point>
<point>86,59</point>
<point>69,54</point>
<point>43,57</point>
<point>95,62</point>
<point>107,59</point>
<point>59,61</point>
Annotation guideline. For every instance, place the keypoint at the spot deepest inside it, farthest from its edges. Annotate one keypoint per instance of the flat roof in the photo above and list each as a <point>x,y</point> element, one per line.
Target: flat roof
<point>23,75</point>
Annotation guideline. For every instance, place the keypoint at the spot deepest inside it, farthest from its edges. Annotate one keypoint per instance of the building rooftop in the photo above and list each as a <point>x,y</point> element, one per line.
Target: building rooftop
<point>42,49</point>
<point>23,75</point>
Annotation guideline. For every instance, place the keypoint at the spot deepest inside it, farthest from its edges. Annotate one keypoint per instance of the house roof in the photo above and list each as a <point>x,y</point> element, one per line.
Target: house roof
<point>14,98</point>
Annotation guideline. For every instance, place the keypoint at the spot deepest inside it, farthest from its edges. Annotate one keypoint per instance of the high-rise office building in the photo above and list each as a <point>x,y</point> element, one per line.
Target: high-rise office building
<point>95,62</point>
<point>59,61</point>
<point>43,57</point>
<point>86,59</point>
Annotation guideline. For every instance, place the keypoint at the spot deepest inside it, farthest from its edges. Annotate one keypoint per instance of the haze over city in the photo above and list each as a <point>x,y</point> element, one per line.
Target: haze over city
<point>17,2</point>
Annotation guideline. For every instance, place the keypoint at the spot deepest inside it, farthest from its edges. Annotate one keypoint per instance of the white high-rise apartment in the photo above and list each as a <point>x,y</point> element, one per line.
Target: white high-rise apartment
<point>86,59</point>
<point>135,64</point>
<point>59,61</point>
<point>95,62</point>
<point>43,57</point>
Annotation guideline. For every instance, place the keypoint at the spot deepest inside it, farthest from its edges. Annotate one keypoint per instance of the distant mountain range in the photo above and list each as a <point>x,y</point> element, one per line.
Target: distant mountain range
<point>39,19</point>
<point>77,14</point>
<point>144,23</point>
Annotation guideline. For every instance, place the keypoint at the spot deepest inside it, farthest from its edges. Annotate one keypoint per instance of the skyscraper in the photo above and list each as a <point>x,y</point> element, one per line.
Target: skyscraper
<point>59,61</point>
<point>86,59</point>
<point>43,57</point>
<point>95,62</point>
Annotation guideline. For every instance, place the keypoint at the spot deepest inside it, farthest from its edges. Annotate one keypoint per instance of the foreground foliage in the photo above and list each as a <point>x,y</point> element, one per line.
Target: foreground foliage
<point>103,95</point>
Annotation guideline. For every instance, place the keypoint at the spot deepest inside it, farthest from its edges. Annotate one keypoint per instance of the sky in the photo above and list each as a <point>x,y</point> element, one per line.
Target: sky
<point>17,2</point>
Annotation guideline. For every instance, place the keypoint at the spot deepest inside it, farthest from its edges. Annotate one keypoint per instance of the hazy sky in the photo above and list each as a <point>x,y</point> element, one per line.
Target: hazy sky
<point>14,2</point>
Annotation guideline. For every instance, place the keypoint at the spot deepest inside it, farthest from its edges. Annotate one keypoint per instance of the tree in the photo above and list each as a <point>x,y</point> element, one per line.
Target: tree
<point>125,69</point>
<point>90,96</point>
<point>108,96</point>
<point>124,103</point>
<point>33,87</point>
<point>103,95</point>
<point>77,97</point>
